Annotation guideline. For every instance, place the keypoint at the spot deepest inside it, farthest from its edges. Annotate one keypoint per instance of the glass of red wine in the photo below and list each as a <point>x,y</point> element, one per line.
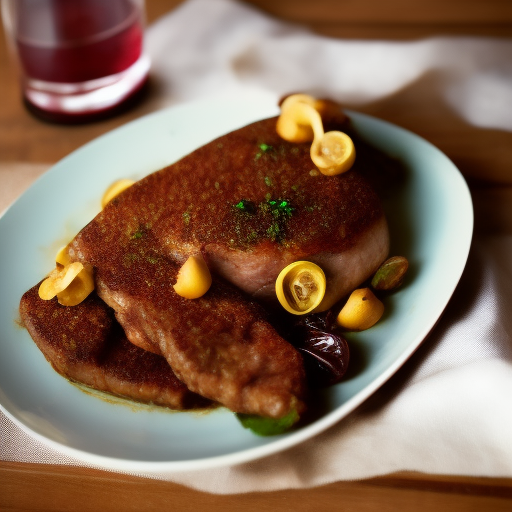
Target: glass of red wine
<point>78,59</point>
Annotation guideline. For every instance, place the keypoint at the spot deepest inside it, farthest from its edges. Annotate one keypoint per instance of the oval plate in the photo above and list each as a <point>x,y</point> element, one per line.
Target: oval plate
<point>431,222</point>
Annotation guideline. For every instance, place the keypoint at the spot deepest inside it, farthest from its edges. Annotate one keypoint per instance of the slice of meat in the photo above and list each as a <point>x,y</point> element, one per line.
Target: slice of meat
<point>253,203</point>
<point>220,345</point>
<point>85,344</point>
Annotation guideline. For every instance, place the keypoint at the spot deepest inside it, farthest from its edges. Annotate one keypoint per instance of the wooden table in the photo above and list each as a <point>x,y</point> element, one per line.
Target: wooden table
<point>483,156</point>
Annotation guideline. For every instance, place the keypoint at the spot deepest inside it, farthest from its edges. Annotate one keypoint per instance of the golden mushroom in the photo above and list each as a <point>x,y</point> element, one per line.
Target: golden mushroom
<point>300,121</point>
<point>333,153</point>
<point>194,278</point>
<point>71,283</point>
<point>361,311</point>
<point>78,290</point>
<point>300,287</point>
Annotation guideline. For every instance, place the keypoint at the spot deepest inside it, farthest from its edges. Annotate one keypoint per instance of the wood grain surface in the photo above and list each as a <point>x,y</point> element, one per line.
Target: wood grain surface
<point>484,157</point>
<point>38,488</point>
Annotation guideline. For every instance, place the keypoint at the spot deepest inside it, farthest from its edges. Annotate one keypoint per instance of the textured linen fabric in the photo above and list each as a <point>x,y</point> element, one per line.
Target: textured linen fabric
<point>447,410</point>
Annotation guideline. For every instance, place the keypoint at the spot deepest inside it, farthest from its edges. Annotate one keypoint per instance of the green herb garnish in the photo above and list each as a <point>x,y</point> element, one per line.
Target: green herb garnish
<point>264,148</point>
<point>245,205</point>
<point>271,214</point>
<point>280,207</point>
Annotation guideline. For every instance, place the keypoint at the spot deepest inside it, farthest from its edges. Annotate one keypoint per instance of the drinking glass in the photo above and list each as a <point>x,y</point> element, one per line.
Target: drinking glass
<point>77,58</point>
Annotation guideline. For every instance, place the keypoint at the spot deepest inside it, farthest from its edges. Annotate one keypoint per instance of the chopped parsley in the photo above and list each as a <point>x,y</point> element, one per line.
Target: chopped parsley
<point>280,207</point>
<point>245,205</point>
<point>270,217</point>
<point>264,148</point>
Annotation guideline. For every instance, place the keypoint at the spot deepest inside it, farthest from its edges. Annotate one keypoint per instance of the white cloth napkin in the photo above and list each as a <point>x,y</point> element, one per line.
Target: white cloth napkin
<point>448,409</point>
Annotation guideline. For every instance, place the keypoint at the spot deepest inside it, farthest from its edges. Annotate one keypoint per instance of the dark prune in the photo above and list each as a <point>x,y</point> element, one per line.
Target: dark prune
<point>326,354</point>
<point>322,321</point>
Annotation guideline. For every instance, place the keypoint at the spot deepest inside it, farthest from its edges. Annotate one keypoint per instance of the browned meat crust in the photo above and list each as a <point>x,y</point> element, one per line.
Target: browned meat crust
<point>220,345</point>
<point>193,202</point>
<point>226,199</point>
<point>251,203</point>
<point>85,344</point>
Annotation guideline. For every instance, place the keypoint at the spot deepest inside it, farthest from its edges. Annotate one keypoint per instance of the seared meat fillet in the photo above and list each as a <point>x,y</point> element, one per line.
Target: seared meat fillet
<point>85,344</point>
<point>251,203</point>
<point>219,345</point>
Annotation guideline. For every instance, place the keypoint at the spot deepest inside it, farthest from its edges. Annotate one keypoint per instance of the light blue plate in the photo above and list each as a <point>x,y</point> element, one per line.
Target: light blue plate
<point>431,221</point>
